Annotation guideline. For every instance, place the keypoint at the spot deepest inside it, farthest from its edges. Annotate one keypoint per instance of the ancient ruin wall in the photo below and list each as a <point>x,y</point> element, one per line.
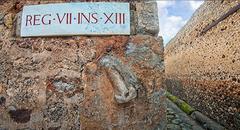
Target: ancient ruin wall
<point>204,68</point>
<point>81,82</point>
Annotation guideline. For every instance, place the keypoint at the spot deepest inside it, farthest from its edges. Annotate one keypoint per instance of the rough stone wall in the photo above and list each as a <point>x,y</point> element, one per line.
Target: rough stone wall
<point>203,69</point>
<point>81,82</point>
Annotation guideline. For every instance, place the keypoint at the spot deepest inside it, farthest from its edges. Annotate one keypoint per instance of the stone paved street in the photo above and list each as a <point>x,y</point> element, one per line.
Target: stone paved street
<point>178,120</point>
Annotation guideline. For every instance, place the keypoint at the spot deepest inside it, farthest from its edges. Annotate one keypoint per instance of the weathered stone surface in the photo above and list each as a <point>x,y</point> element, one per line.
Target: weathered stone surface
<point>80,82</point>
<point>206,122</point>
<point>55,111</point>
<point>8,20</point>
<point>173,127</point>
<point>122,78</point>
<point>18,24</point>
<point>237,119</point>
<point>1,18</point>
<point>20,115</point>
<point>1,88</point>
<point>133,20</point>
<point>147,18</point>
<point>2,100</point>
<point>203,69</point>
<point>146,55</point>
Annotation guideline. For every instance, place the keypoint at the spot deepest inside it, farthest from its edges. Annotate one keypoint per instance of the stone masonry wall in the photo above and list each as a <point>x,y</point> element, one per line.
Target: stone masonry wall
<point>81,82</point>
<point>204,69</point>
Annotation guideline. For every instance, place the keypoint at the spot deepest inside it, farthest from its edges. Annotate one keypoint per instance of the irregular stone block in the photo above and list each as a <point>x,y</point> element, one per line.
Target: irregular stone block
<point>142,53</point>
<point>8,20</point>
<point>145,53</point>
<point>147,18</point>
<point>123,79</point>
<point>154,43</point>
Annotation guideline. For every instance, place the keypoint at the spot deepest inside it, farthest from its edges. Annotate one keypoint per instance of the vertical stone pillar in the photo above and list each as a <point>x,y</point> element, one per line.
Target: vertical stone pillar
<point>79,82</point>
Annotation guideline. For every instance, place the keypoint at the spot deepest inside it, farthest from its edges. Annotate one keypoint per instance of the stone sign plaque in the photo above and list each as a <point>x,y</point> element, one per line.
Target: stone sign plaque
<point>101,18</point>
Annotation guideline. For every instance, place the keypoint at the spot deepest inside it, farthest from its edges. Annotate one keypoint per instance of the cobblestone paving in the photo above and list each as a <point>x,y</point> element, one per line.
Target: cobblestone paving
<point>178,120</point>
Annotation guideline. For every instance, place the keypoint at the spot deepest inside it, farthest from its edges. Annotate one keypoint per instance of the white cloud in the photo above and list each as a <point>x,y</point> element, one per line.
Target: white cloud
<point>195,4</point>
<point>165,3</point>
<point>172,25</point>
<point>169,24</point>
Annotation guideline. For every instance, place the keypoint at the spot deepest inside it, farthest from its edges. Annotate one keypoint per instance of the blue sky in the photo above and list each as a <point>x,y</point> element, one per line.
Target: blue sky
<point>173,15</point>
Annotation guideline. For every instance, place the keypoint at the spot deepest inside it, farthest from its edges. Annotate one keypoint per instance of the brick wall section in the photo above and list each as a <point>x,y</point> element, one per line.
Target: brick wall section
<point>204,69</point>
<point>81,82</point>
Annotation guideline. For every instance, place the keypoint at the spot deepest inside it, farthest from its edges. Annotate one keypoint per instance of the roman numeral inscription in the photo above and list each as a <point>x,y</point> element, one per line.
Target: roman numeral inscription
<point>76,19</point>
<point>81,18</point>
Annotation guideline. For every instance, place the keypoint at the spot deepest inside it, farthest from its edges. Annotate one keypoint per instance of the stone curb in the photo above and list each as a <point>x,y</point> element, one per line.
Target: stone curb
<point>203,120</point>
<point>206,122</point>
<point>180,103</point>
